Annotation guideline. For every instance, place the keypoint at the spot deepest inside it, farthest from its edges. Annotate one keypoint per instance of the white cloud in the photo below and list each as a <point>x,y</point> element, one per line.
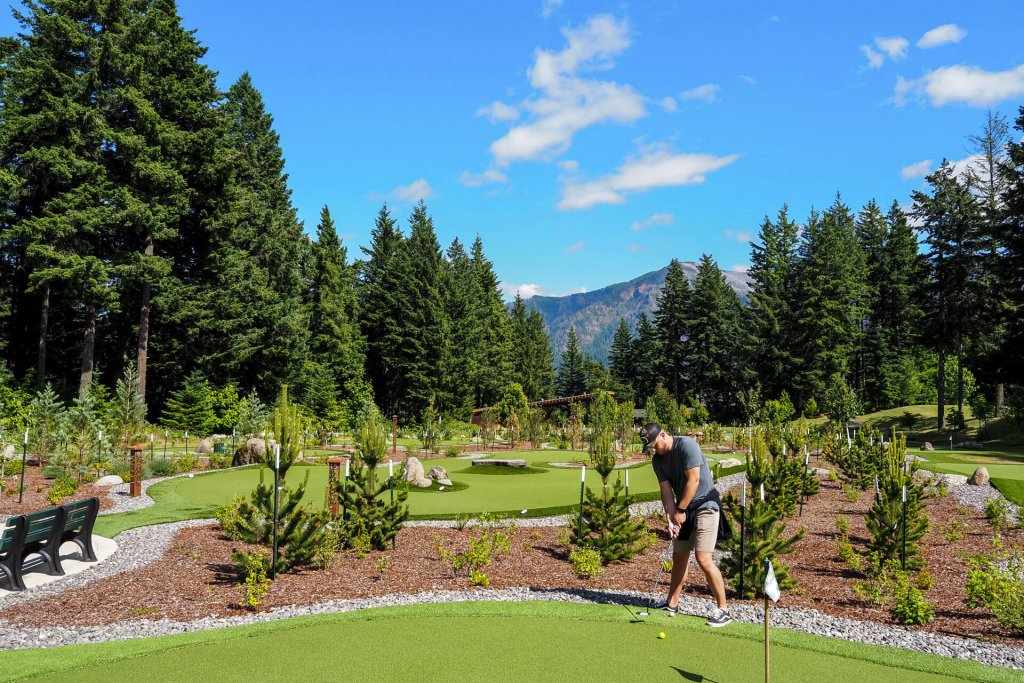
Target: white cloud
<point>654,168</point>
<point>655,219</point>
<point>414,191</point>
<point>669,104</point>
<point>564,103</point>
<point>963,168</point>
<point>875,59</point>
<point>702,93</point>
<point>749,80</point>
<point>549,7</point>
<point>894,46</point>
<point>741,236</point>
<point>972,86</point>
<point>573,248</point>
<point>942,35</point>
<point>918,170</point>
<point>527,290</point>
<point>568,164</point>
<point>740,268</point>
<point>903,91</point>
<point>498,111</point>
<point>491,175</point>
<point>636,248</point>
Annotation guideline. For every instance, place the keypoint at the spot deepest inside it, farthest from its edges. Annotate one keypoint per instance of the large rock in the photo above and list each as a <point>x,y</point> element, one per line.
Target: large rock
<point>439,475</point>
<point>249,453</point>
<point>926,446</point>
<point>951,479</point>
<point>979,478</point>
<point>413,473</point>
<point>729,462</point>
<point>109,480</point>
<point>204,446</point>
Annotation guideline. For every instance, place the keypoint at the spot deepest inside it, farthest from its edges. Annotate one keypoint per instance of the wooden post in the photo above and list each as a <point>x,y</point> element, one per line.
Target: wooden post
<point>135,456</point>
<point>333,469</point>
<point>394,434</point>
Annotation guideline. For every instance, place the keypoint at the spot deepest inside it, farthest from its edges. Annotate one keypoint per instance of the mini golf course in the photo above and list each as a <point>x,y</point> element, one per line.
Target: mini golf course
<point>489,641</point>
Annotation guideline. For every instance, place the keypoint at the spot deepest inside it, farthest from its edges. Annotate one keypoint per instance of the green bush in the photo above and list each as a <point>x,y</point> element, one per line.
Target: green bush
<point>955,530</point>
<point>188,462</point>
<point>996,582</point>
<point>253,569</point>
<point>12,467</point>
<point>997,511</point>
<point>586,563</point>
<point>219,461</point>
<point>847,554</point>
<point>62,488</point>
<point>842,524</point>
<point>909,606</point>
<point>452,452</point>
<point>490,540</point>
<point>160,468</point>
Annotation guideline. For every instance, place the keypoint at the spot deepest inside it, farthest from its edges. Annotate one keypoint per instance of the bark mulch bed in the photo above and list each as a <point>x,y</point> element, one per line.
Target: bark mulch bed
<point>196,576</point>
<point>36,487</point>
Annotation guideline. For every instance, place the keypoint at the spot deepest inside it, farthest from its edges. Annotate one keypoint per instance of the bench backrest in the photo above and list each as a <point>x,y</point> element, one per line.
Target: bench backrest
<point>78,513</point>
<point>11,529</point>
<point>40,524</point>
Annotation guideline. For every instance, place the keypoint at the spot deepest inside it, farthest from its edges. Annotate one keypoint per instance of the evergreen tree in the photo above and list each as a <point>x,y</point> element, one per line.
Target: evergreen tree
<point>333,328</point>
<point>621,363</point>
<point>872,234</point>
<point>770,316</point>
<point>647,359</point>
<point>380,287</point>
<point>494,343</point>
<point>714,357</point>
<point>571,379</point>
<point>831,293</point>
<point>460,292</point>
<point>191,407</point>
<point>889,519</point>
<point>1012,264</point>
<point>541,366</point>
<point>950,218</point>
<point>672,322</point>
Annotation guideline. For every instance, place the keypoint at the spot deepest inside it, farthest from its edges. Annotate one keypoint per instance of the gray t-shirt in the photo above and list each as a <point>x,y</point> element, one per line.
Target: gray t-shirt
<point>671,467</point>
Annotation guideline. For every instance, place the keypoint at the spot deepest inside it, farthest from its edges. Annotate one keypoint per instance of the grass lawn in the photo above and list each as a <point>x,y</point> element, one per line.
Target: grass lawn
<point>488,641</point>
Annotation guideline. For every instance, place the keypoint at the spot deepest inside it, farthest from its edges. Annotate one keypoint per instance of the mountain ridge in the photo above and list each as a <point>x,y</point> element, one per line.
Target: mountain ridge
<point>596,314</point>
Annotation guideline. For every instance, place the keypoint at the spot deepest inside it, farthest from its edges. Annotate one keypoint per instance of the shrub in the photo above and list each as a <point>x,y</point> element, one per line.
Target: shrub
<point>160,468</point>
<point>479,578</point>
<point>564,536</point>
<point>12,467</point>
<point>924,580</point>
<point>253,569</point>
<point>842,524</point>
<point>491,540</point>
<point>452,452</point>
<point>909,606</point>
<point>53,469</point>
<point>713,433</point>
<point>895,525</point>
<point>62,488</point>
<point>219,461</point>
<point>997,511</point>
<point>586,563</point>
<point>996,582</point>
<point>955,530</point>
<point>847,554</point>
<point>188,462</point>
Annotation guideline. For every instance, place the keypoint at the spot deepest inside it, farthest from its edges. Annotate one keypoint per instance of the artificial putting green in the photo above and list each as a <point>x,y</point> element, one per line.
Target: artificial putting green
<point>489,641</point>
<point>540,490</point>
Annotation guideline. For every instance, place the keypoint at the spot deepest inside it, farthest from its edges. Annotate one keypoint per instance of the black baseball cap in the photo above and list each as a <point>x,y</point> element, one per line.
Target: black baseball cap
<point>648,433</point>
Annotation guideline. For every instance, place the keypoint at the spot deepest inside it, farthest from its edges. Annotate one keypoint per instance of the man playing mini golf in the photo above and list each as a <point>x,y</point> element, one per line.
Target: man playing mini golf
<point>692,507</point>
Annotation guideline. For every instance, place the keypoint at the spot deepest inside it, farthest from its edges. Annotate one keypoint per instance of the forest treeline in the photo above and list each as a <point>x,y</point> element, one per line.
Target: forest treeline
<point>147,225</point>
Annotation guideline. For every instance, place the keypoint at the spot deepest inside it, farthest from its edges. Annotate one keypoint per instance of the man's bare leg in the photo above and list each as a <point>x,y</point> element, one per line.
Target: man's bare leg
<point>680,569</point>
<point>714,576</point>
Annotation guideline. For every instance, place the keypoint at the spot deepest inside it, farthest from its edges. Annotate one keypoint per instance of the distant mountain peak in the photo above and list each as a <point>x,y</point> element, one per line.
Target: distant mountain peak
<point>596,314</point>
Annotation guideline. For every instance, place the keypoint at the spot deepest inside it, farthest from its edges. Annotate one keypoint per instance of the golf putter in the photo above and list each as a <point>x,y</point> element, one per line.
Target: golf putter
<point>661,570</point>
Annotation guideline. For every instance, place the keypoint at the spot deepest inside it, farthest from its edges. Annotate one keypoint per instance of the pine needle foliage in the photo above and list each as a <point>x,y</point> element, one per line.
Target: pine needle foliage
<point>885,519</point>
<point>287,432</point>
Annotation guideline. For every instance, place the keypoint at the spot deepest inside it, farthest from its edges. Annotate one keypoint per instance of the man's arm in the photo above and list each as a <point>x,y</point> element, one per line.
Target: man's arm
<point>674,516</point>
<point>690,487</point>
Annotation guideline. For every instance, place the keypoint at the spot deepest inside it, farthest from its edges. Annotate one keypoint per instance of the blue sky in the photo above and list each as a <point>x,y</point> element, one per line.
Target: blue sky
<point>591,142</point>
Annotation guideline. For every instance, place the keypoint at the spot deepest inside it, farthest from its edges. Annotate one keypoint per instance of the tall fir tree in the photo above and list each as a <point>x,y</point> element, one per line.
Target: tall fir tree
<point>380,286</point>
<point>647,359</point>
<point>460,292</point>
<point>770,324</point>
<point>872,234</point>
<point>1011,270</point>
<point>571,379</point>
<point>714,360</point>
<point>949,216</point>
<point>493,346</point>
<point>621,363</point>
<point>671,320</point>
<point>541,361</point>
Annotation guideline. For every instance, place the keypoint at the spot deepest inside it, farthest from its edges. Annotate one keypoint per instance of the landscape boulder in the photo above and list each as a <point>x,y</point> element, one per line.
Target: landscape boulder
<point>951,479</point>
<point>249,453</point>
<point>413,473</point>
<point>204,446</point>
<point>439,475</point>
<point>927,446</point>
<point>109,480</point>
<point>729,462</point>
<point>979,478</point>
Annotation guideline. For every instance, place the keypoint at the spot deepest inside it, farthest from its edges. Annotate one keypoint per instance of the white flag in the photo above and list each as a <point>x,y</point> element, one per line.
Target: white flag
<point>771,586</point>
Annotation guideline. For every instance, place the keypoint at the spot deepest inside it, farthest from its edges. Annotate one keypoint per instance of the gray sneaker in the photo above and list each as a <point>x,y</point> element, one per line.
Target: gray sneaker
<point>719,618</point>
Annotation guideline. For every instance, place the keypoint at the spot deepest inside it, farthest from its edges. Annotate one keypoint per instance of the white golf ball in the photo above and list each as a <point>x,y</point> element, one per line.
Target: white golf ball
<point>191,476</point>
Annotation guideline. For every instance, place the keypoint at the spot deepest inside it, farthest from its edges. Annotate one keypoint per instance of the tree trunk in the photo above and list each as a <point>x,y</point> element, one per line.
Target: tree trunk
<point>144,309</point>
<point>1000,398</point>
<point>88,348</point>
<point>941,386</point>
<point>44,322</point>
<point>960,379</point>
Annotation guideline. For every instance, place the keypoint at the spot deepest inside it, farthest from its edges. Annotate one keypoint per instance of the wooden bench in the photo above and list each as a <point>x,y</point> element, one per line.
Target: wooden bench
<point>42,533</point>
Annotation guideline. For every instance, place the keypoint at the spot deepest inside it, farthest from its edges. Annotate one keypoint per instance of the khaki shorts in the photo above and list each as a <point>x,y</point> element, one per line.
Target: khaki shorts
<point>705,533</point>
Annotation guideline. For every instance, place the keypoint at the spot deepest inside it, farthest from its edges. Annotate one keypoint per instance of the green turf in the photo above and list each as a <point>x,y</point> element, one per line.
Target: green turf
<point>1012,489</point>
<point>488,641</point>
<point>541,490</point>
